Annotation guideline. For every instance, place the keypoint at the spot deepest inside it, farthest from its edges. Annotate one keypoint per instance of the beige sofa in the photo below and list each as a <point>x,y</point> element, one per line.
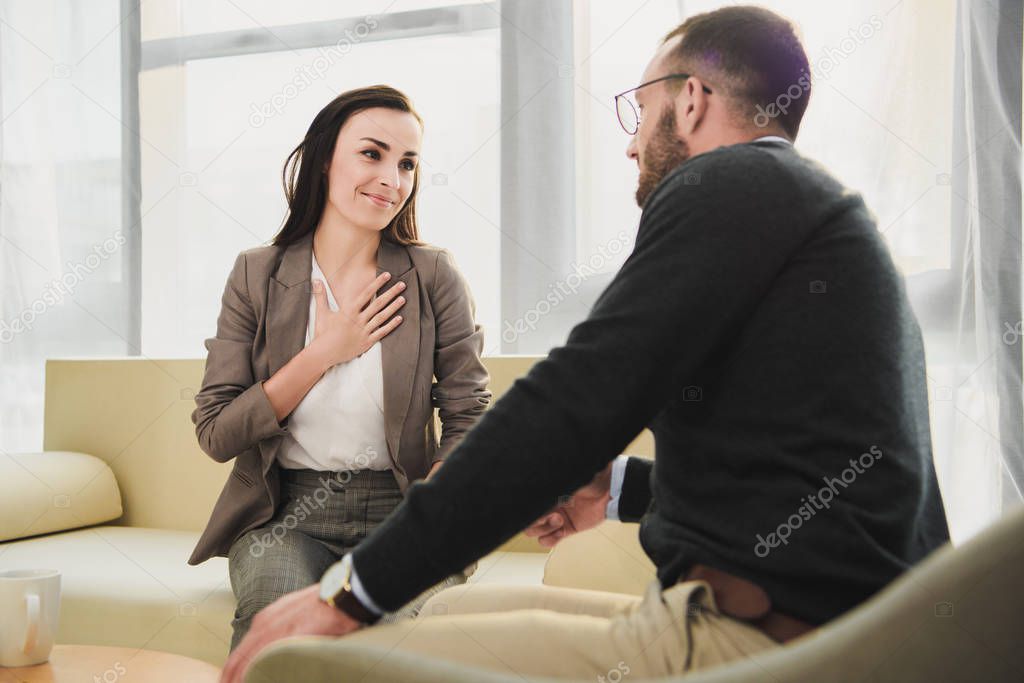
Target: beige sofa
<point>118,499</point>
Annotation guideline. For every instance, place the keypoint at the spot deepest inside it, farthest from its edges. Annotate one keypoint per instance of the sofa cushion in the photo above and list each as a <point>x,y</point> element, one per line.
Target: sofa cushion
<point>132,587</point>
<point>608,557</point>
<point>53,491</point>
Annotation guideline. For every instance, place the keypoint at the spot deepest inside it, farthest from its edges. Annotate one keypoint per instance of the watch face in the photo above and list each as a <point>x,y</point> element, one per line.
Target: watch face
<point>334,579</point>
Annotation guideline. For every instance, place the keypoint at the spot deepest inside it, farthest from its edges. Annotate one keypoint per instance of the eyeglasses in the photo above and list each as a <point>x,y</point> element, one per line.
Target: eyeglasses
<point>629,115</point>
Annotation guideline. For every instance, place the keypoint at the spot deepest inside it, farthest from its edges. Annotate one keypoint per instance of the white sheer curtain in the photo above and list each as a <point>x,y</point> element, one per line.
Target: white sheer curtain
<point>975,359</point>
<point>61,292</point>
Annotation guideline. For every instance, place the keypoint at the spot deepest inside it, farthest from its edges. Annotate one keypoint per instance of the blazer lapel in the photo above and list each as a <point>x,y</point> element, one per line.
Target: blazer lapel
<point>400,350</point>
<point>288,304</point>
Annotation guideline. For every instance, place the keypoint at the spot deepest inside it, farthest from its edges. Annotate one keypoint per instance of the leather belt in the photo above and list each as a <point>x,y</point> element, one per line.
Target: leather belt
<point>746,601</point>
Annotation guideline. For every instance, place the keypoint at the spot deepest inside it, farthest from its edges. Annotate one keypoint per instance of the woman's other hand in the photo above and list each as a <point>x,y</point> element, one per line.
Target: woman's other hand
<point>433,469</point>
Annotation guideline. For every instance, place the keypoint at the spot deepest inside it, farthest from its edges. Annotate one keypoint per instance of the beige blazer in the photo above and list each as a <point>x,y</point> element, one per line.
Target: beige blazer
<point>262,325</point>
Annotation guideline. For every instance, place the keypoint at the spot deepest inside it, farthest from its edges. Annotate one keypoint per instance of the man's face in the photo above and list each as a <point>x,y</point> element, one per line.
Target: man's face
<point>657,146</point>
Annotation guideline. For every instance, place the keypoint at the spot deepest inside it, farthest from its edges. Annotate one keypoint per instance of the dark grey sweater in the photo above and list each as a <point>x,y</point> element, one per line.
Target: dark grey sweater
<point>762,332</point>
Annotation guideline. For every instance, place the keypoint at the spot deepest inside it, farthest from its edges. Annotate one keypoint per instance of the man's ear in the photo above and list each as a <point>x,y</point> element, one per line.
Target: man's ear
<point>691,106</point>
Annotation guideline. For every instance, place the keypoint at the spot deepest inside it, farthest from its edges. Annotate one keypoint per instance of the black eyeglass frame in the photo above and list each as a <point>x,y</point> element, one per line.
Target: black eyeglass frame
<point>636,114</point>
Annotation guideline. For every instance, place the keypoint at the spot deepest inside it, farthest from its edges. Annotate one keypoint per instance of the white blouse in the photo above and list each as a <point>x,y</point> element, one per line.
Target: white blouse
<point>339,424</point>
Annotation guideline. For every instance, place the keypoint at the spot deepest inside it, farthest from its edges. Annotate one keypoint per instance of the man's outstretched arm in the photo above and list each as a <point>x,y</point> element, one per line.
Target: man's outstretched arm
<point>701,263</point>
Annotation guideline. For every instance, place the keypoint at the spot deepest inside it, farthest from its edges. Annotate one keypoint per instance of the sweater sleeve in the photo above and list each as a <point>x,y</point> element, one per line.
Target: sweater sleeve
<point>704,256</point>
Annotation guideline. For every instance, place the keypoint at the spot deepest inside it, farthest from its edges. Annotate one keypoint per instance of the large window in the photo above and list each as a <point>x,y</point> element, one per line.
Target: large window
<point>168,121</point>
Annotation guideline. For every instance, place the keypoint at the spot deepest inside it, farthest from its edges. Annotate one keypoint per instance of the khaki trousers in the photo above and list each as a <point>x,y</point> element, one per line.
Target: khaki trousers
<point>570,633</point>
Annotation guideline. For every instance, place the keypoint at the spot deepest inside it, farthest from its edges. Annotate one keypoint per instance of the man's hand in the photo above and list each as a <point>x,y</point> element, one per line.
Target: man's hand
<point>583,510</point>
<point>299,613</point>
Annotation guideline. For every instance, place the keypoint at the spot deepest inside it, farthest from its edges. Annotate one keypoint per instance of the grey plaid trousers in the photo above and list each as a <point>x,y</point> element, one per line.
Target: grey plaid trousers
<point>322,516</point>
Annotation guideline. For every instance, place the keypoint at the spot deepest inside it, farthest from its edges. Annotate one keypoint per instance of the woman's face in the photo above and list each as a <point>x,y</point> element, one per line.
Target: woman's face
<point>371,172</point>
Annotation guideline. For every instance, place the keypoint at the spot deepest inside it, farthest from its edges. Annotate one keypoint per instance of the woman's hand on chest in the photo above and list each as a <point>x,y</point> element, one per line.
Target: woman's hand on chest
<point>360,321</point>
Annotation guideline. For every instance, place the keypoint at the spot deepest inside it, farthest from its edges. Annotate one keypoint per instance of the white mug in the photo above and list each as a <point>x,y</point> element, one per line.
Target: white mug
<point>29,607</point>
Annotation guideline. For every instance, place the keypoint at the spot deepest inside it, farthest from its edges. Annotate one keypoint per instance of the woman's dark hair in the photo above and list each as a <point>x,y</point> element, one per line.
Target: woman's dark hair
<point>304,179</point>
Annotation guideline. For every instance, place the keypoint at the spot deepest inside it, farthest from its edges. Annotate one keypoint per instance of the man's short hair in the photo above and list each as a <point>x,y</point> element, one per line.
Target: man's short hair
<point>755,55</point>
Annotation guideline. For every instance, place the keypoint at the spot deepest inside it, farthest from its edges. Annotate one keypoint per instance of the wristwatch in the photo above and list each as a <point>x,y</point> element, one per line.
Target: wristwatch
<point>336,591</point>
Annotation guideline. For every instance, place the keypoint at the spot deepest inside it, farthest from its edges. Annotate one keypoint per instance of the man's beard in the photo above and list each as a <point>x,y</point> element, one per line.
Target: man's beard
<point>664,152</point>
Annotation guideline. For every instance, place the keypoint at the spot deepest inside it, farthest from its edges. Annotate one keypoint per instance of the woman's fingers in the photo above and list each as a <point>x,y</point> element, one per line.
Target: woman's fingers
<point>366,295</point>
<point>549,529</point>
<point>383,300</point>
<point>384,330</point>
<point>547,524</point>
<point>377,320</point>
<point>550,540</point>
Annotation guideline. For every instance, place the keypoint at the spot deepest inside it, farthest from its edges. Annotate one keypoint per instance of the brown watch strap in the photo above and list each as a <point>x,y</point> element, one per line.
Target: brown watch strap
<point>348,603</point>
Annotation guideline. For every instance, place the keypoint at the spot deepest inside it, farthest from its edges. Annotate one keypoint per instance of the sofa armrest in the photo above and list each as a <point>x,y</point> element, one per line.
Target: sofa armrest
<point>54,491</point>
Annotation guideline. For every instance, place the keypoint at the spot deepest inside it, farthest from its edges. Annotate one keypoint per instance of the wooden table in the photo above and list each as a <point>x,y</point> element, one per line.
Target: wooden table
<point>99,663</point>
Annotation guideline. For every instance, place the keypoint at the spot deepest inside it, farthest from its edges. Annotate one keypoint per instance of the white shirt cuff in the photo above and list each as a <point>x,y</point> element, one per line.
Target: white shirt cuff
<point>361,594</point>
<point>615,488</point>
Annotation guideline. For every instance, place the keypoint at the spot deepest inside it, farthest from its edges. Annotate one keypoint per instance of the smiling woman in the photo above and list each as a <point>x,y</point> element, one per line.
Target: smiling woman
<point>315,386</point>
